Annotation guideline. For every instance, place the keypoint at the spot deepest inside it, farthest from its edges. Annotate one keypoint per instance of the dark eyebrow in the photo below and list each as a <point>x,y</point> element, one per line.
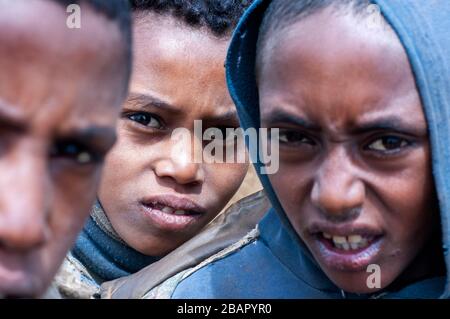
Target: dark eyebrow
<point>149,101</point>
<point>392,123</point>
<point>279,117</point>
<point>230,116</point>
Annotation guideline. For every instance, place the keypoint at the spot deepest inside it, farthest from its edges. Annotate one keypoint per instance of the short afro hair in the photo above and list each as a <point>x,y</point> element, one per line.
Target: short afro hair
<point>218,16</point>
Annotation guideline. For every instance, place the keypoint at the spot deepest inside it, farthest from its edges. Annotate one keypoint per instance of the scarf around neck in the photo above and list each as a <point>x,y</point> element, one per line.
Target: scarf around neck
<point>105,255</point>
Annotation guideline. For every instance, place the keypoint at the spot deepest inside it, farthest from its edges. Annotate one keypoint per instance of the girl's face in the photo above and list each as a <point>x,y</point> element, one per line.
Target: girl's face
<point>355,175</point>
<point>155,196</point>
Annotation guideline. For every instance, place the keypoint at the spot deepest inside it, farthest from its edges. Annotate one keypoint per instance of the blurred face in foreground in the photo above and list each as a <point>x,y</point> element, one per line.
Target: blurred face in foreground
<point>60,93</point>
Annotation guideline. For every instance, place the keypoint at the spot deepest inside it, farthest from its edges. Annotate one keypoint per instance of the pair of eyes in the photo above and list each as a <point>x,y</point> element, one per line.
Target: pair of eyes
<point>384,143</point>
<point>387,143</point>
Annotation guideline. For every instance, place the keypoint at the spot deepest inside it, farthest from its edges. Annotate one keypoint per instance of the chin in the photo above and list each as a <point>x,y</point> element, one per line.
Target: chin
<point>357,283</point>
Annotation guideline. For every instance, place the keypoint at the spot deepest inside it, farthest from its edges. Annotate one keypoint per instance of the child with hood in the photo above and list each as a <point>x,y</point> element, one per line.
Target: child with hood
<point>360,93</point>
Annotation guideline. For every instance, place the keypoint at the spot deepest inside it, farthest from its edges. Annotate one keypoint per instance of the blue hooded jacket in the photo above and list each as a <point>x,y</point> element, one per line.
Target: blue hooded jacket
<point>277,264</point>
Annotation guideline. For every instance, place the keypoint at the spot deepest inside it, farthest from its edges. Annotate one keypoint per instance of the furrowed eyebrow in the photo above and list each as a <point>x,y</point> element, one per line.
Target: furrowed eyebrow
<point>392,123</point>
<point>149,101</point>
<point>279,117</point>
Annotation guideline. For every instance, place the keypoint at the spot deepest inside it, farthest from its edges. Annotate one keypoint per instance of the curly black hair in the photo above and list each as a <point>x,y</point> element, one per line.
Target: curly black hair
<point>219,16</point>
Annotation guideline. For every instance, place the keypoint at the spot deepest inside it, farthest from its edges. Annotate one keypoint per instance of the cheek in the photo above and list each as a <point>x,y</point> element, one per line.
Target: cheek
<point>124,166</point>
<point>223,180</point>
<point>75,186</point>
<point>291,187</point>
<point>410,206</point>
<point>72,199</point>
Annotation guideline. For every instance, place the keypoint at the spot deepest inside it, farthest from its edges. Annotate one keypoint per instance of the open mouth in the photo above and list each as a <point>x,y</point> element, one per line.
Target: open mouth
<point>171,213</point>
<point>170,210</point>
<point>351,243</point>
<point>348,248</point>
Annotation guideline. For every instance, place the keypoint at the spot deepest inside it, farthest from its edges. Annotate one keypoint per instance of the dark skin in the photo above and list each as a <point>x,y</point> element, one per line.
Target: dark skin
<point>178,77</point>
<point>59,100</point>
<point>354,149</point>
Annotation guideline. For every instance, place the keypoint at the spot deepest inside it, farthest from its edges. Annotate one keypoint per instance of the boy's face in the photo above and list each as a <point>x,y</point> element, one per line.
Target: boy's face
<point>59,98</point>
<point>355,177</point>
<point>178,77</point>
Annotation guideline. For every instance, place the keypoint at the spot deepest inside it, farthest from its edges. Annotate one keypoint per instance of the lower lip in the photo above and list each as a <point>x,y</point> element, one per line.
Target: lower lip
<point>347,260</point>
<point>170,222</point>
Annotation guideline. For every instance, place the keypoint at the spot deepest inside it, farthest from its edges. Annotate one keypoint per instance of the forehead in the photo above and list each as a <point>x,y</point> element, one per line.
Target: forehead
<point>179,64</point>
<point>46,64</point>
<point>336,66</point>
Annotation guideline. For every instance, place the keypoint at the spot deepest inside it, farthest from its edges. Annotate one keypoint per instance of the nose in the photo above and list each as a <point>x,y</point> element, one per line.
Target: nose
<point>337,191</point>
<point>180,165</point>
<point>24,200</point>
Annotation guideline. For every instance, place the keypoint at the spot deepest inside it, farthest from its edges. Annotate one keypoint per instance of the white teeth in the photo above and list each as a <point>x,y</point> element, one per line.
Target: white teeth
<point>180,212</point>
<point>355,239</point>
<point>167,210</point>
<point>363,242</point>
<point>352,242</point>
<point>339,239</point>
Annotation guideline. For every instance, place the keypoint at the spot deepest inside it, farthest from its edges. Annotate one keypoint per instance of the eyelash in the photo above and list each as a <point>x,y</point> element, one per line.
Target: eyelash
<point>404,144</point>
<point>301,137</point>
<point>129,115</point>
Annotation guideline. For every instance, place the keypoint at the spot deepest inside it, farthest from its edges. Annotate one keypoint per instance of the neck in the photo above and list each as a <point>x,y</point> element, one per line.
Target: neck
<point>103,253</point>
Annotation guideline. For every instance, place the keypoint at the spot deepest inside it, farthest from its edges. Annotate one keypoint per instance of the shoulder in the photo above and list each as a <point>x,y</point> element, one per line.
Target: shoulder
<point>226,232</point>
<point>73,280</point>
<point>168,287</point>
<point>247,269</point>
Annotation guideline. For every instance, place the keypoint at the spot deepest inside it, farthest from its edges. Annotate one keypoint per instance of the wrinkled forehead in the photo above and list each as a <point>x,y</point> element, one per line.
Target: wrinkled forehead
<point>181,65</point>
<point>337,64</point>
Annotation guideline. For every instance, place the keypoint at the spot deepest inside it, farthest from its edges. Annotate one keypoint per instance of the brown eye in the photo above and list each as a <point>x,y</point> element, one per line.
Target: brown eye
<point>294,138</point>
<point>388,144</point>
<point>145,119</point>
<point>73,151</point>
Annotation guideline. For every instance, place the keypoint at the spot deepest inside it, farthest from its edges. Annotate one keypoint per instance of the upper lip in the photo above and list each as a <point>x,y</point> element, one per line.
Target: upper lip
<point>176,202</point>
<point>344,229</point>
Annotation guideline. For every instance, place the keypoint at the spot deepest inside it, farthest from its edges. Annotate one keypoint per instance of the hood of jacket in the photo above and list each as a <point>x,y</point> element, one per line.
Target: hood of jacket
<point>424,32</point>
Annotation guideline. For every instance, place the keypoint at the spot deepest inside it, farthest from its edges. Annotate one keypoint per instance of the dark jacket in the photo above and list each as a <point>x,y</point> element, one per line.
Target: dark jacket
<point>226,229</point>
